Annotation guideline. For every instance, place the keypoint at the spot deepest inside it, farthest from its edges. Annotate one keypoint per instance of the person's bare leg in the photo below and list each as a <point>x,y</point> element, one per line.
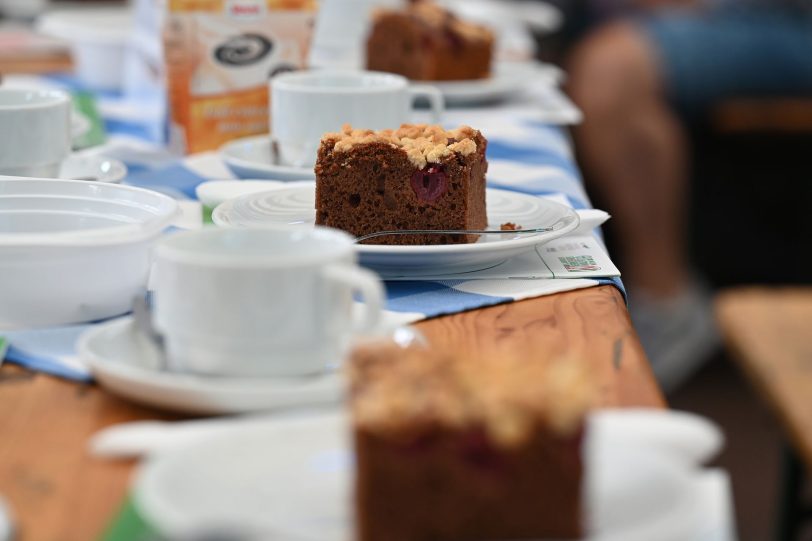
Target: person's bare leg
<point>634,152</point>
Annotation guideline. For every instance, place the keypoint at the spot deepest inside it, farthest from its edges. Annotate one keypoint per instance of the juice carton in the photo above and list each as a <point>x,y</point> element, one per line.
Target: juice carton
<point>220,55</point>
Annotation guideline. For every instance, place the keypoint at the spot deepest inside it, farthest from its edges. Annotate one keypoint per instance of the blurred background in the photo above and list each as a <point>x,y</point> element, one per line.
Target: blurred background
<point>697,138</point>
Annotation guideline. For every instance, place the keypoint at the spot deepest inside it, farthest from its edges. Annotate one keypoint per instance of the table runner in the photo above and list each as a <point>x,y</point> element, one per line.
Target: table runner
<point>524,153</point>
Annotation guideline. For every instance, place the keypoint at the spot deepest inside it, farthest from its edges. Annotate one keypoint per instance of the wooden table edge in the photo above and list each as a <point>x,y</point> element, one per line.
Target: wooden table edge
<point>53,484</point>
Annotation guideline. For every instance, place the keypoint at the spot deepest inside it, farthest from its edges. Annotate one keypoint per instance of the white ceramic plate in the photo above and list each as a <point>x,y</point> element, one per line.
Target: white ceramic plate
<point>292,479</point>
<point>507,79</point>
<point>96,168</point>
<point>126,364</point>
<point>251,157</point>
<point>296,205</point>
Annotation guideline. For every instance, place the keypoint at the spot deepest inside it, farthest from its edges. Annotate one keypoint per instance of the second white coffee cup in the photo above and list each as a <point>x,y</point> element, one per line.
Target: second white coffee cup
<point>260,302</point>
<point>305,105</point>
<point>35,132</point>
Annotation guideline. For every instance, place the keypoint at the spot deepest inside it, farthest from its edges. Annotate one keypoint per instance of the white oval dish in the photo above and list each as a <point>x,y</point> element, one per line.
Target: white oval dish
<point>73,251</point>
<point>292,478</point>
<point>295,204</point>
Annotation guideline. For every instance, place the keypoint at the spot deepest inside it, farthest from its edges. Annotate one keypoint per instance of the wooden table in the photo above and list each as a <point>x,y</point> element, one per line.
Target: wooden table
<point>59,493</point>
<point>769,332</point>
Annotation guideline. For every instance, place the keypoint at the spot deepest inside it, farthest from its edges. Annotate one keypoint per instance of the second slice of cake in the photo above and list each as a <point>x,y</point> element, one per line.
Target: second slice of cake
<point>415,177</point>
<point>450,448</point>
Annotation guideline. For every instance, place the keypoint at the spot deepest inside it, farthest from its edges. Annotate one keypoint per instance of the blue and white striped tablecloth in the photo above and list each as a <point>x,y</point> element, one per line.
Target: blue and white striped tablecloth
<point>524,154</point>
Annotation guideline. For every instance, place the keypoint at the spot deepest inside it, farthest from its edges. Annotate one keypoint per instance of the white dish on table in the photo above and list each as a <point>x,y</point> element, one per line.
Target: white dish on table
<point>253,157</point>
<point>293,477</point>
<point>74,251</point>
<point>295,204</point>
<point>124,362</point>
<point>507,79</point>
<point>213,192</point>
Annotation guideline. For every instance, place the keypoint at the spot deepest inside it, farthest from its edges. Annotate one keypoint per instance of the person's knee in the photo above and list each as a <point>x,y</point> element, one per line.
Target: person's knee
<point>611,70</point>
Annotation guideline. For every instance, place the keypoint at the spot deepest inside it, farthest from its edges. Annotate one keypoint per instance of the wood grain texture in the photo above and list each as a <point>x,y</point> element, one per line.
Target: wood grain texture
<point>769,332</point>
<point>46,63</point>
<point>59,493</point>
<point>590,326</point>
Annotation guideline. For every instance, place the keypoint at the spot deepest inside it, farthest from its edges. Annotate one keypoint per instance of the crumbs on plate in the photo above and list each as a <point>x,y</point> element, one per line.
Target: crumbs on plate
<point>510,226</point>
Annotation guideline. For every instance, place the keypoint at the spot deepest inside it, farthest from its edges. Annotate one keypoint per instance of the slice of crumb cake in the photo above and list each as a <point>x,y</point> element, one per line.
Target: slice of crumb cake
<point>450,448</point>
<point>415,177</point>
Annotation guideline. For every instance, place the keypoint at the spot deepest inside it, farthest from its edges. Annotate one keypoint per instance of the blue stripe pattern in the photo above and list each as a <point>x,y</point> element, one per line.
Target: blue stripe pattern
<point>435,298</point>
<point>498,150</point>
<point>175,176</point>
<point>45,364</point>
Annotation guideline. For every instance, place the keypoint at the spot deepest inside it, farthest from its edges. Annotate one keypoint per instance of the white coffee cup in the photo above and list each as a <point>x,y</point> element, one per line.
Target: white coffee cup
<point>35,132</point>
<point>274,301</point>
<point>307,104</point>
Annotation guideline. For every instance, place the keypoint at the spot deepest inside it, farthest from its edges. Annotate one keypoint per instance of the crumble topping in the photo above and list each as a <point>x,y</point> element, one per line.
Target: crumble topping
<point>422,143</point>
<point>395,390</point>
<point>439,19</point>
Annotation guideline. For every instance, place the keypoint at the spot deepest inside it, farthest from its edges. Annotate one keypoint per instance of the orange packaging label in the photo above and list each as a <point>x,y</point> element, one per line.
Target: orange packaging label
<point>220,55</point>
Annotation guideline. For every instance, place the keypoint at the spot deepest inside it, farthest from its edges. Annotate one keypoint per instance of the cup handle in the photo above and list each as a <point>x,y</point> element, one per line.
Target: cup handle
<point>368,285</point>
<point>435,97</point>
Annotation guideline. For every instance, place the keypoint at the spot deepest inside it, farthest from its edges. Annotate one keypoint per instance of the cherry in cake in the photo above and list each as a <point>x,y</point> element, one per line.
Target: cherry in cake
<point>426,42</point>
<point>450,448</point>
<point>415,177</point>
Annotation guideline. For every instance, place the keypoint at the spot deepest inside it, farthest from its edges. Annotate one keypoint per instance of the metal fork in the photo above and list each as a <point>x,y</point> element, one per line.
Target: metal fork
<point>455,232</point>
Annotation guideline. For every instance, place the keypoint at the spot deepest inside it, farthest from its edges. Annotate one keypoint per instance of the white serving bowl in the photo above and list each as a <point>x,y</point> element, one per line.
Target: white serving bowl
<point>73,251</point>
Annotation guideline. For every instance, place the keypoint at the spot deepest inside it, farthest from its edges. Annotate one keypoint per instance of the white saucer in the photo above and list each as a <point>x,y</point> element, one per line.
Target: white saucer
<point>291,479</point>
<point>92,167</point>
<point>251,157</point>
<point>507,79</point>
<point>295,204</point>
<point>123,361</point>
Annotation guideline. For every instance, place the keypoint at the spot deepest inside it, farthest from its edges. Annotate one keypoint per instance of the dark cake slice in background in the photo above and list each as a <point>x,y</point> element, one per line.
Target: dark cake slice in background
<point>451,449</point>
<point>415,177</point>
<point>426,42</point>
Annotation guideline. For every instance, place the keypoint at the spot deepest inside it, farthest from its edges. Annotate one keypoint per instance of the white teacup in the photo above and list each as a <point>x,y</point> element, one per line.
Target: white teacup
<point>260,302</point>
<point>35,132</point>
<point>306,105</point>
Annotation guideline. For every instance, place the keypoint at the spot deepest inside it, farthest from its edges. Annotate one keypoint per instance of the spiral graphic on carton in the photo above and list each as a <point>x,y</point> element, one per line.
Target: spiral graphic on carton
<point>243,50</point>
